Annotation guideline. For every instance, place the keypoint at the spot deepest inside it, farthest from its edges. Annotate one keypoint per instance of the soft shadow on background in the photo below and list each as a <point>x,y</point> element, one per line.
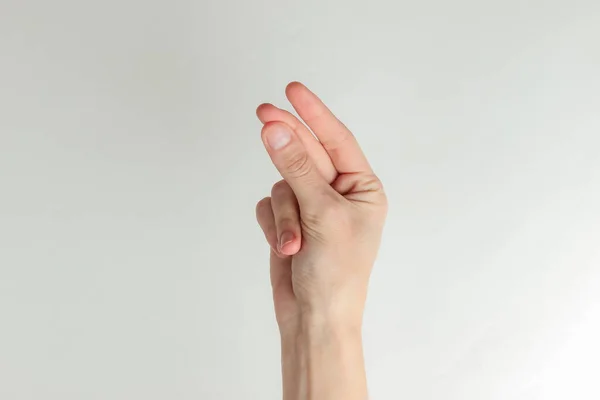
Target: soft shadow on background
<point>131,266</point>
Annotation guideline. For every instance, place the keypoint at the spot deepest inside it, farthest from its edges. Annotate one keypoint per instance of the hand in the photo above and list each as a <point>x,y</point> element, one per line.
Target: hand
<point>324,220</point>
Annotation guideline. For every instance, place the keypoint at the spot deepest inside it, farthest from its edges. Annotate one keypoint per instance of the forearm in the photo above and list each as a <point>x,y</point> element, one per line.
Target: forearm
<point>323,361</point>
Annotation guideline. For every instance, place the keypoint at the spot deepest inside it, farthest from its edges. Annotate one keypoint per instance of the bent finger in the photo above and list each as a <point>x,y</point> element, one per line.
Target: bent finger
<point>287,218</point>
<point>270,113</point>
<point>294,163</point>
<point>266,220</point>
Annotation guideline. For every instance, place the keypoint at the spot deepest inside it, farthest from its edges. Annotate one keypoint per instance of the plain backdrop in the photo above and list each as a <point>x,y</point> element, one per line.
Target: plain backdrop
<point>131,266</point>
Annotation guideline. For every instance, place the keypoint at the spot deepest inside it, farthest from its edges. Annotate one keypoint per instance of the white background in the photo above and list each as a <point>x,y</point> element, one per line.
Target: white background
<point>131,266</point>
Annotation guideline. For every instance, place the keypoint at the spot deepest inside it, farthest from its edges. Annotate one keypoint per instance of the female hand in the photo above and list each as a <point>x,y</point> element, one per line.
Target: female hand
<point>323,222</point>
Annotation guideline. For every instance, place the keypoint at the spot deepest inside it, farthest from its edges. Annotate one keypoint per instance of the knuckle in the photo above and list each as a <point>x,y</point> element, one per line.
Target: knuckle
<point>340,139</point>
<point>373,183</point>
<point>279,189</point>
<point>287,222</point>
<point>263,205</point>
<point>298,165</point>
<point>368,183</point>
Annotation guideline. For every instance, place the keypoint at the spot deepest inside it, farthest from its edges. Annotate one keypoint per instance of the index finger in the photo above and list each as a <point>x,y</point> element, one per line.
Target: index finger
<point>336,138</point>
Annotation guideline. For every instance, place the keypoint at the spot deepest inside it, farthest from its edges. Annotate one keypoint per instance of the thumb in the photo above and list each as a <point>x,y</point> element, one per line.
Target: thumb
<point>294,163</point>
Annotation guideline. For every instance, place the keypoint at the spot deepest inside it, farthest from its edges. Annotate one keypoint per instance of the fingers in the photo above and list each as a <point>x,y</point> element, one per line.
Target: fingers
<point>266,220</point>
<point>338,141</point>
<point>295,165</point>
<point>279,218</point>
<point>281,271</point>
<point>270,113</point>
<point>287,218</point>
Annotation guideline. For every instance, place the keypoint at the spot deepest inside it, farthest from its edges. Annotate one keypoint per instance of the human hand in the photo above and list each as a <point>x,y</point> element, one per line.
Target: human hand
<point>324,220</point>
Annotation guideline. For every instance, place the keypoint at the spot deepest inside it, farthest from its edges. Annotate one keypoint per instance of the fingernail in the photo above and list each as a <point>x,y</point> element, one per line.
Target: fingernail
<point>278,136</point>
<point>286,237</point>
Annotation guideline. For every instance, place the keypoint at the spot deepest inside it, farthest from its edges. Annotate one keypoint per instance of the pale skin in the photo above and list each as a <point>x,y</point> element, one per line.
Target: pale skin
<point>323,222</point>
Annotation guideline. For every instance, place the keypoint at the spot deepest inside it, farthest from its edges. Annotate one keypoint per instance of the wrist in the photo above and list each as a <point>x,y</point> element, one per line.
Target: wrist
<point>322,359</point>
<point>317,330</point>
<point>324,320</point>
